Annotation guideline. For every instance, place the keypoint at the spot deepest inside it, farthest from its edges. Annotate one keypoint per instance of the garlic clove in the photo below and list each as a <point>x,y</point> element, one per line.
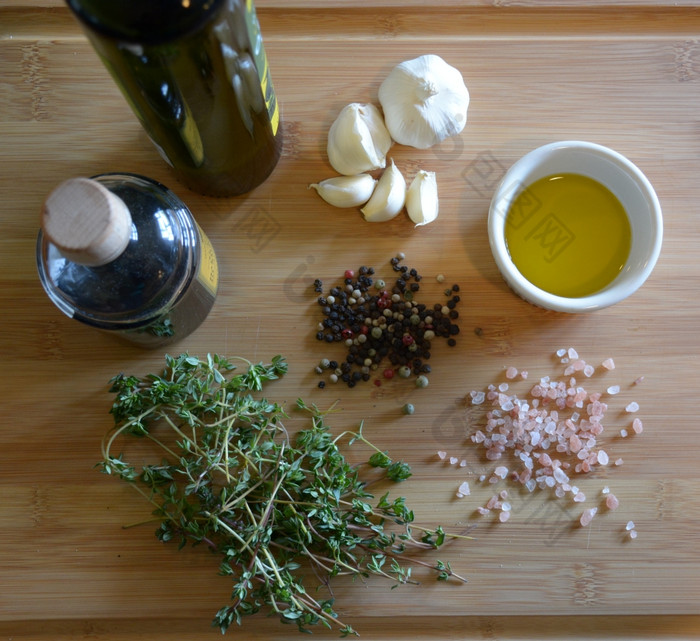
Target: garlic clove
<point>424,101</point>
<point>422,198</point>
<point>358,140</point>
<point>346,191</point>
<point>389,196</point>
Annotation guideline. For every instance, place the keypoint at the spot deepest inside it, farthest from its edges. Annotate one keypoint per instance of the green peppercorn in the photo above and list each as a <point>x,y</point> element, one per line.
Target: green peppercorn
<point>408,409</point>
<point>422,381</point>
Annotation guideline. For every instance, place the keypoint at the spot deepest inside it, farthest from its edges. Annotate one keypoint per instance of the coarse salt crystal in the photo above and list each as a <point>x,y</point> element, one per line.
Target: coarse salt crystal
<point>613,389</point>
<point>463,463</point>
<point>505,506</point>
<point>629,526</point>
<point>605,490</point>
<point>503,516</point>
<point>611,502</point>
<point>603,457</point>
<point>632,407</point>
<point>441,455</point>
<point>619,461</point>
<point>453,460</point>
<point>588,515</point>
<point>633,534</point>
<point>623,433</point>
<point>572,353</point>
<point>588,371</point>
<point>637,426</point>
<point>639,380</point>
<point>501,471</point>
<point>482,510</point>
<point>463,490</point>
<point>579,497</point>
<point>511,372</point>
<point>608,364</point>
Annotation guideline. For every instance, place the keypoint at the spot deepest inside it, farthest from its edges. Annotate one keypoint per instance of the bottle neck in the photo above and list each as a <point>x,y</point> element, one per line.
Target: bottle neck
<point>146,21</point>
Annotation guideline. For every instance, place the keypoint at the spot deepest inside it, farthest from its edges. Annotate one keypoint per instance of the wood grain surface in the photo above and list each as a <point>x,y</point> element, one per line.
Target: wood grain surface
<point>626,75</point>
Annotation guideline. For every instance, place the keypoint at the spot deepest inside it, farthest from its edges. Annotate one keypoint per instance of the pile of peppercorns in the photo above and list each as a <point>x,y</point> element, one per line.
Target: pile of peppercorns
<point>377,322</point>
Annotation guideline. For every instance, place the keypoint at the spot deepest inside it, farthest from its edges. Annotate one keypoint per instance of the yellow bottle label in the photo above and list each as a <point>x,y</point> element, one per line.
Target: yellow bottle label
<point>261,63</point>
<point>208,272</point>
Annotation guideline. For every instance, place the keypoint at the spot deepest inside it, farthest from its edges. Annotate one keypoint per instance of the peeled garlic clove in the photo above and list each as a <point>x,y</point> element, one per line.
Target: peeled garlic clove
<point>388,198</point>
<point>422,198</point>
<point>358,140</point>
<point>425,101</point>
<point>346,191</point>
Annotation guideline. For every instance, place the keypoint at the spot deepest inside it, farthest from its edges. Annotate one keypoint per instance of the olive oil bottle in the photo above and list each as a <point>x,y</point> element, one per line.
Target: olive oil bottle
<point>196,75</point>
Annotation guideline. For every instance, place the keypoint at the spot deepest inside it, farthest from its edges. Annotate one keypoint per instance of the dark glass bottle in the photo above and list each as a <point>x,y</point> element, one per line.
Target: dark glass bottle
<point>196,75</point>
<point>122,253</point>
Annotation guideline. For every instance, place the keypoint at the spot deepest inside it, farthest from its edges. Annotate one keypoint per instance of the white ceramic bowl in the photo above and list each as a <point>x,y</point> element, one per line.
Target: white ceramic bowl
<point>622,178</point>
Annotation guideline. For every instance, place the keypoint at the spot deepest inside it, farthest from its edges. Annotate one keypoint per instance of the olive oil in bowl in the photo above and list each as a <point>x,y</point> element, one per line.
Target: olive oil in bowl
<point>568,234</point>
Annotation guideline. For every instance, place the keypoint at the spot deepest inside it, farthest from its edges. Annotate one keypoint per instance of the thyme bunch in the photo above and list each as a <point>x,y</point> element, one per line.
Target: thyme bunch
<point>226,474</point>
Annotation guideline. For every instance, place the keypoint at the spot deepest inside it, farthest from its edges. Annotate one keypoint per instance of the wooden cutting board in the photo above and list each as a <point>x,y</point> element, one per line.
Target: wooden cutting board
<point>626,75</point>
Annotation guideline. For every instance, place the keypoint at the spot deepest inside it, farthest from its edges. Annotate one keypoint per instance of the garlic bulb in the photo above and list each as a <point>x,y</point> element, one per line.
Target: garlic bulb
<point>346,191</point>
<point>358,140</point>
<point>425,101</point>
<point>422,198</point>
<point>388,198</point>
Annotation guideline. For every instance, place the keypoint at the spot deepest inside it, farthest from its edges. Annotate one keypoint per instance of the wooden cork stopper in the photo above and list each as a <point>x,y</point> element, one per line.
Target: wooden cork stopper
<point>88,223</point>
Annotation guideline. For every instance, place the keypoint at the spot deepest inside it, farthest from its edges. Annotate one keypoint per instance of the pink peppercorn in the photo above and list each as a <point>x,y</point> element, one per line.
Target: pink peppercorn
<point>349,273</point>
<point>388,373</point>
<point>347,333</point>
<point>407,340</point>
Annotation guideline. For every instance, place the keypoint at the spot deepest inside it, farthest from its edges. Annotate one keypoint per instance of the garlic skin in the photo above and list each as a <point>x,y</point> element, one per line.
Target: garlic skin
<point>422,202</point>
<point>358,140</point>
<point>425,101</point>
<point>389,196</point>
<point>346,191</point>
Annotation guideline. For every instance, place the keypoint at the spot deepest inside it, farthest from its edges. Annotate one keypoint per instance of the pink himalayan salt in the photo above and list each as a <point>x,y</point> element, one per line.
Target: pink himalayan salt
<point>608,364</point>
<point>611,502</point>
<point>463,490</point>
<point>503,516</point>
<point>511,372</point>
<point>587,516</point>
<point>632,407</point>
<point>579,497</point>
<point>637,426</point>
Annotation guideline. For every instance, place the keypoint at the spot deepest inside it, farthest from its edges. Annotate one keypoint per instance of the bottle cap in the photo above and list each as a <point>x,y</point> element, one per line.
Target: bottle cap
<point>88,223</point>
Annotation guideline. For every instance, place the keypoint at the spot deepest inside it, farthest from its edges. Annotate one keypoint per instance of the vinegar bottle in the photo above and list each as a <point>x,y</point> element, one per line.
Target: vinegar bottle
<point>196,75</point>
<point>122,253</point>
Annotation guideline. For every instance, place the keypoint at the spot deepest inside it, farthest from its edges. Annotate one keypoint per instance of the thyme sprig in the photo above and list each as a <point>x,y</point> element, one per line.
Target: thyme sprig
<point>227,474</point>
